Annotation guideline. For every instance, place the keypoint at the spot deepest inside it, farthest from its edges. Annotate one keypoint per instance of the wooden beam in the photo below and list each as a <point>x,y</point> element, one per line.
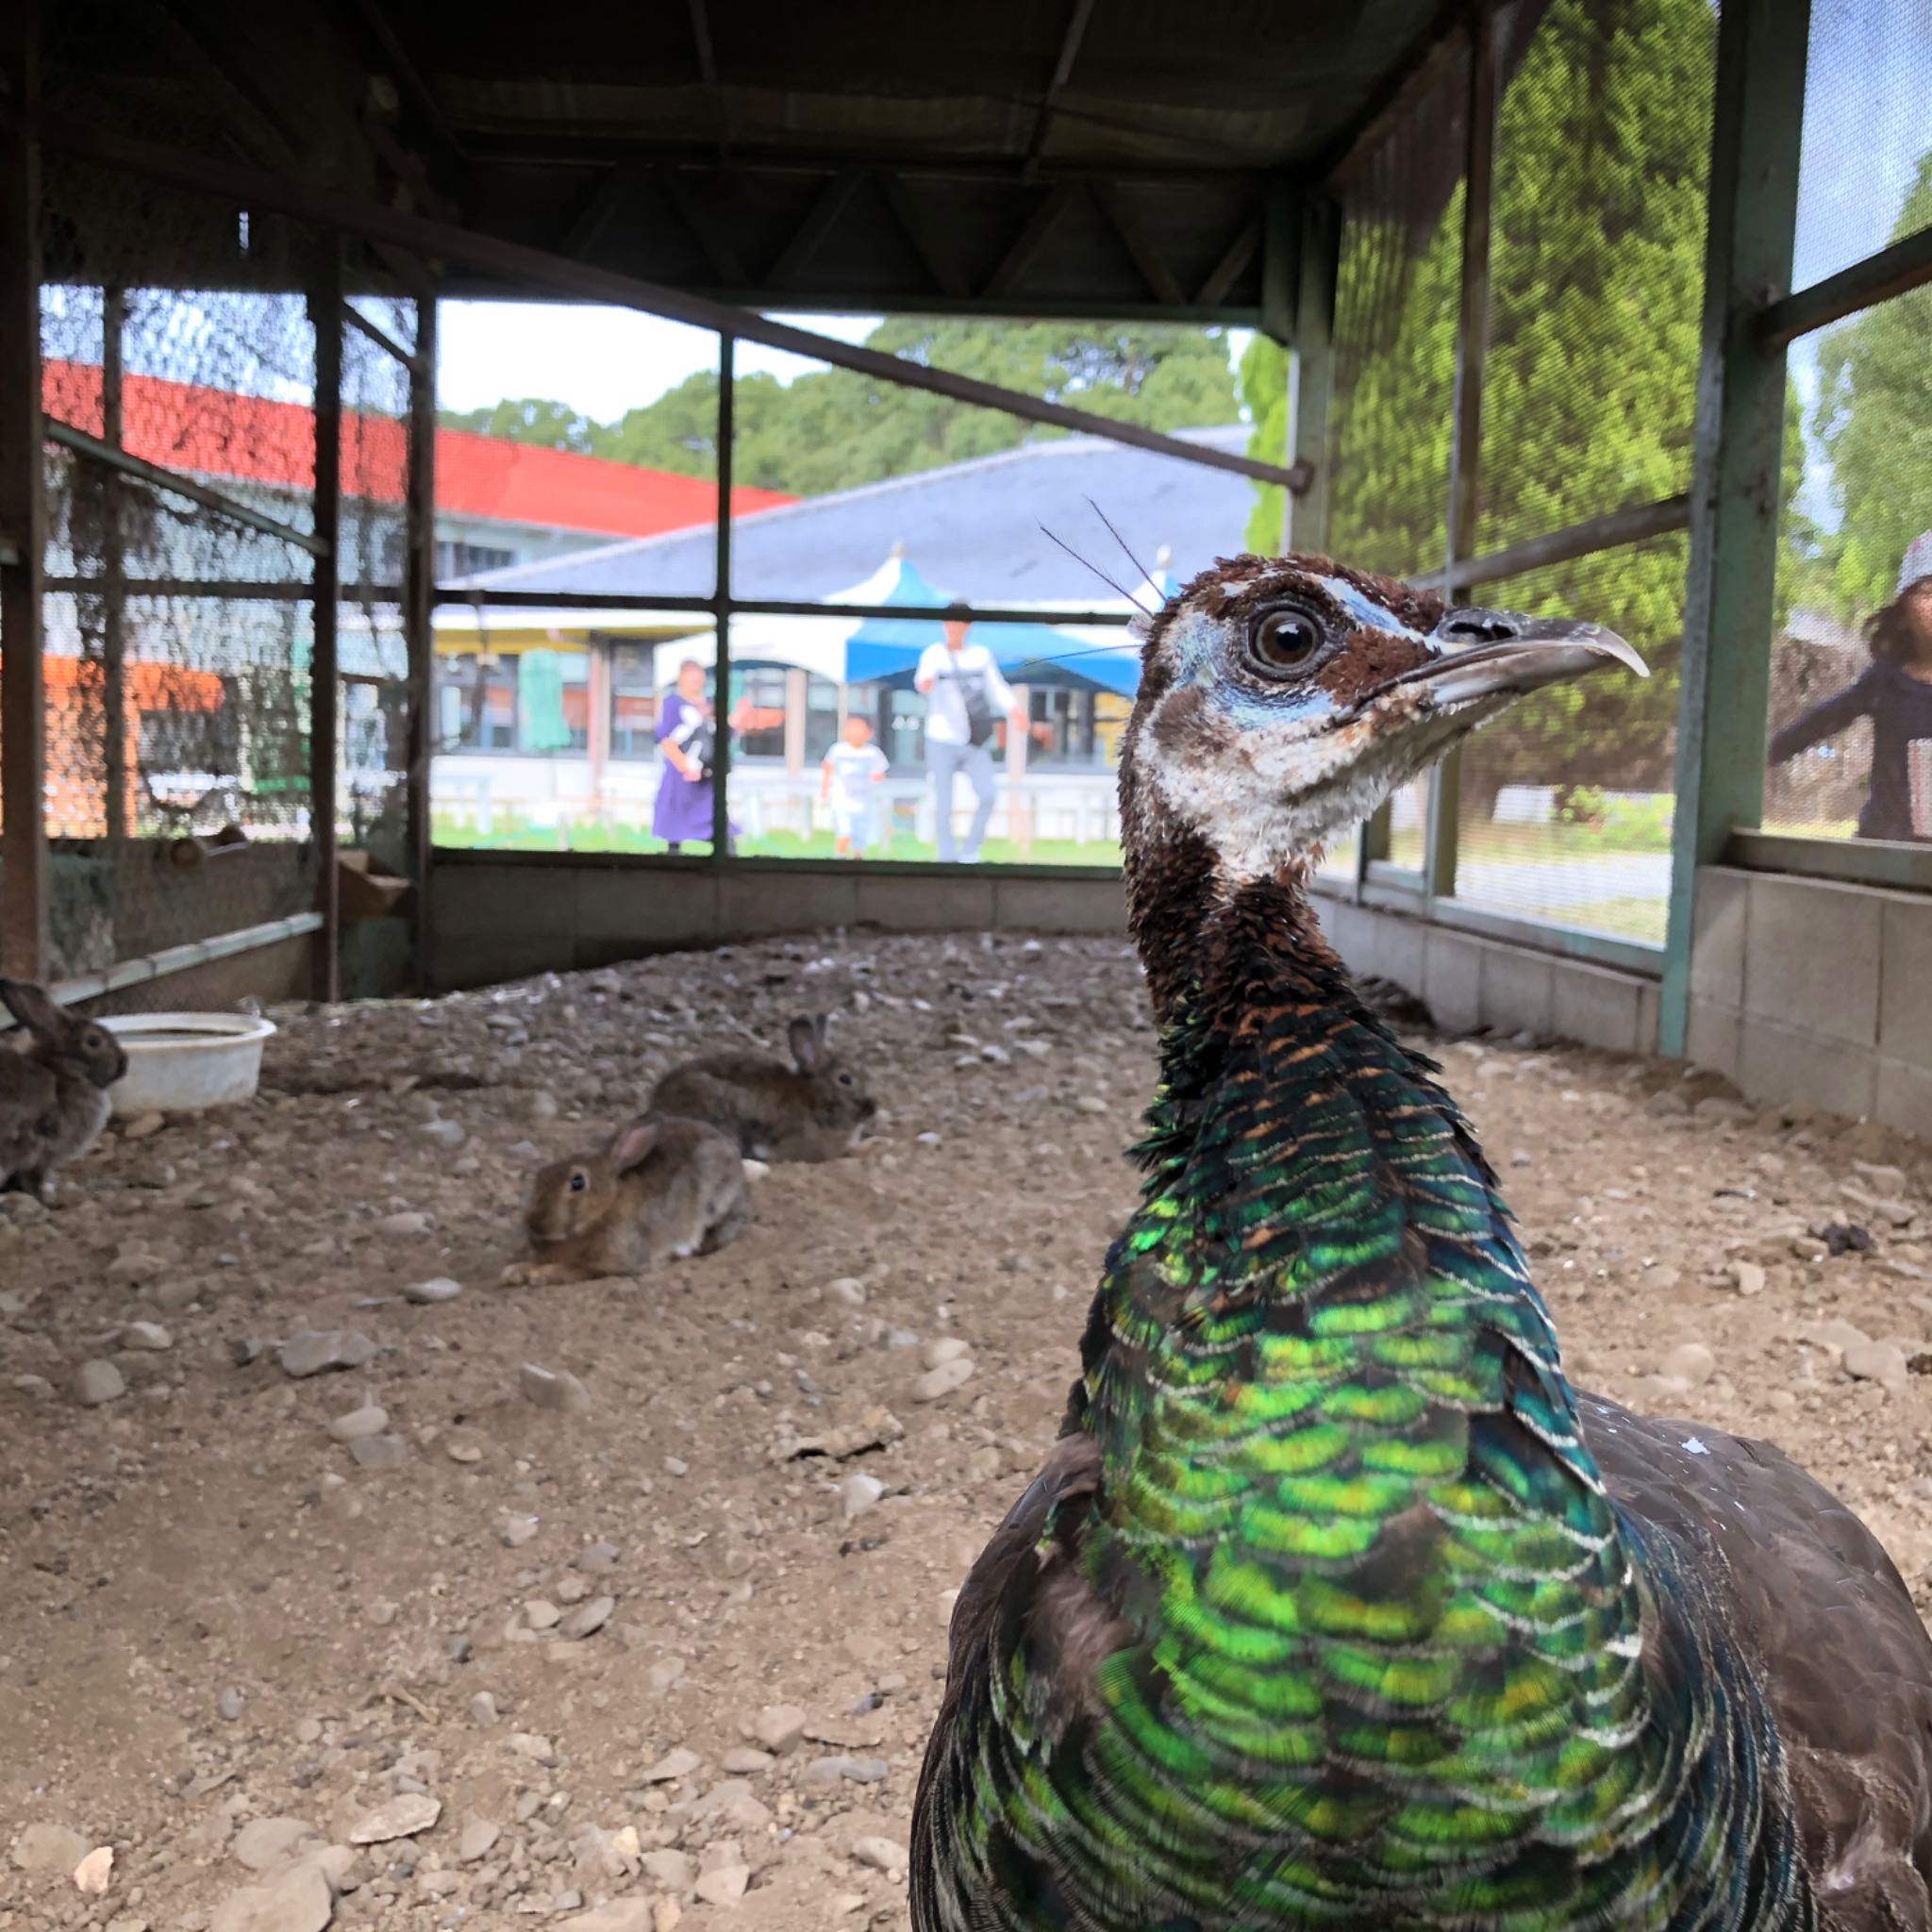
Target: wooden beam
<point>115,717</point>
<point>703,230</point>
<point>1442,45</point>
<point>1153,271</point>
<point>620,183</point>
<point>379,336</point>
<point>512,261</point>
<point>1730,598</point>
<point>1895,270</point>
<point>1607,532</point>
<point>326,312</point>
<point>819,223</point>
<point>1235,259</point>
<point>24,953</point>
<point>419,630</point>
<point>1078,20</point>
<point>1040,224</point>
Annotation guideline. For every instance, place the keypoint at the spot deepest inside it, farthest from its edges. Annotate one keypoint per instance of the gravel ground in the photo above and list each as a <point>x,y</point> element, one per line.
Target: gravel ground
<point>421,1637</point>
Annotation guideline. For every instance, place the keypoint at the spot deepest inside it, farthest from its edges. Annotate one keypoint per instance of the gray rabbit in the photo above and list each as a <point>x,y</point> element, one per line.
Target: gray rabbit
<point>658,1191</point>
<point>814,1109</point>
<point>54,1095</point>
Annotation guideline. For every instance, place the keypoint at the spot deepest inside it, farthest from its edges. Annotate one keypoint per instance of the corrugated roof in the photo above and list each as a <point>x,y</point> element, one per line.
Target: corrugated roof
<point>220,433</point>
<point>974,529</point>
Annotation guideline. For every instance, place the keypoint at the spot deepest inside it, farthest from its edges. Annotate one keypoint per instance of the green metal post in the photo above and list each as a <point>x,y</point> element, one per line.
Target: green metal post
<point>1729,601</point>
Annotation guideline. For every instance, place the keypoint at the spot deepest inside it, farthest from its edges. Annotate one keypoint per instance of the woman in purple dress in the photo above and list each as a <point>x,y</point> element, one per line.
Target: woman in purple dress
<point>685,737</point>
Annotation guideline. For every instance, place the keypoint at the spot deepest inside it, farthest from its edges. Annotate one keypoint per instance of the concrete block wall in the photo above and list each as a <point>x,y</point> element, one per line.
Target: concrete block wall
<point>1813,990</point>
<point>498,919</point>
<point>1468,982</point>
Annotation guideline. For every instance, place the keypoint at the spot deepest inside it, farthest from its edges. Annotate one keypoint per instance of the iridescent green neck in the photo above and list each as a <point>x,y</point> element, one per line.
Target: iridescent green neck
<point>1392,1665</point>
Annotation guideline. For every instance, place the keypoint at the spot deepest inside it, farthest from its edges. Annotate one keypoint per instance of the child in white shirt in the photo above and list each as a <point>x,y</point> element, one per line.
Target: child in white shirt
<point>852,768</point>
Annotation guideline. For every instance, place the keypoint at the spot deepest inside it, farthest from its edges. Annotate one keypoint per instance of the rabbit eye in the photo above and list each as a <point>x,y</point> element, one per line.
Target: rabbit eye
<point>577,1183</point>
<point>844,1079</point>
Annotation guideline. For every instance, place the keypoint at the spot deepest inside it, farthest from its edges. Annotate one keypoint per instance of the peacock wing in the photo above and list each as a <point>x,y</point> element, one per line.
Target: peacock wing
<point>1025,1591</point>
<point>1817,1607</point>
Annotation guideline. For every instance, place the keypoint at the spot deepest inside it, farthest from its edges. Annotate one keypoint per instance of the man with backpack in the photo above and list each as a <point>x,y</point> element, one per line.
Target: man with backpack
<point>965,697</point>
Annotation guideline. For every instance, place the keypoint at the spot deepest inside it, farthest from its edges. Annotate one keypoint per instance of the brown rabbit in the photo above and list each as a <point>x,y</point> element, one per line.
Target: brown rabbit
<point>54,1097</point>
<point>658,1191</point>
<point>814,1109</point>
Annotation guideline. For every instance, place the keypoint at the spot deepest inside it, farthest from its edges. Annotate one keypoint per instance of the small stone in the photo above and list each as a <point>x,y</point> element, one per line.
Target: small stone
<point>448,1133</point>
<point>439,1287</point>
<point>674,1870</point>
<point>228,1706</point>
<point>677,1465</point>
<point>778,1728</point>
<point>857,1771</point>
<point>144,1127</point>
<point>943,1380</point>
<point>742,1761</point>
<point>1690,1363</point>
<point>146,1335</point>
<point>595,1557</point>
<point>1090,1103</point>
<point>263,1844</point>
<point>620,1915</point>
<point>48,1848</point>
<point>857,1493</point>
<point>405,1226</point>
<point>554,1388</point>
<point>881,1854</point>
<point>538,1750</point>
<point>404,1816</point>
<point>98,1382</point>
<point>95,1871</point>
<point>667,1915</point>
<point>379,1452</point>
<point>942,1349</point>
<point>299,1900</point>
<point>483,1708</point>
<point>1748,1277</point>
<point>587,1619</point>
<point>674,1764</point>
<point>513,1532</point>
<point>316,1352</point>
<point>663,1675</point>
<point>1877,1361</point>
<point>370,1419</point>
<point>846,1290</point>
<point>726,1886</point>
<point>540,1615</point>
<point>479,1834</point>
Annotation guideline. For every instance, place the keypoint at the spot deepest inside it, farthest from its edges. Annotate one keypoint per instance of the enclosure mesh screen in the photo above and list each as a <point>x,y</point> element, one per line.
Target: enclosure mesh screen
<point>1846,757</point>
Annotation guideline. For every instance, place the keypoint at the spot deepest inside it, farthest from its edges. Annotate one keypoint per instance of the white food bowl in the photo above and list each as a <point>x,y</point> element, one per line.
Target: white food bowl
<point>177,1062</point>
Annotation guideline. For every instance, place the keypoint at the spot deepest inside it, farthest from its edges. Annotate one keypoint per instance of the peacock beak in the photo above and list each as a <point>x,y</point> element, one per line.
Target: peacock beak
<point>1491,654</point>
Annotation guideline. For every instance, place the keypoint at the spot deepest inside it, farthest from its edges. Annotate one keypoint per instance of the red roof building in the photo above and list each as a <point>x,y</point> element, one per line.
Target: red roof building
<point>218,434</point>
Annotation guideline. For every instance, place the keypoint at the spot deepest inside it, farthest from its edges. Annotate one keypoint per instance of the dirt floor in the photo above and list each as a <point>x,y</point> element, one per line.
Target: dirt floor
<point>671,1658</point>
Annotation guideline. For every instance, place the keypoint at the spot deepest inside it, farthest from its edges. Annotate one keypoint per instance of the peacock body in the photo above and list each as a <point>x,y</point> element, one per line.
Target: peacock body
<point>1334,1606</point>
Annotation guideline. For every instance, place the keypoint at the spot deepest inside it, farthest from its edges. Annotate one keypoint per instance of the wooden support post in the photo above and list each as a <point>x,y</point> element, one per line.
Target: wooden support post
<point>1738,461</point>
<point>418,632</point>
<point>326,312</point>
<point>23,531</point>
<point>797,695</point>
<point>1018,743</point>
<point>1466,442</point>
<point>597,685</point>
<point>116,723</point>
<point>721,593</point>
<point>1311,374</point>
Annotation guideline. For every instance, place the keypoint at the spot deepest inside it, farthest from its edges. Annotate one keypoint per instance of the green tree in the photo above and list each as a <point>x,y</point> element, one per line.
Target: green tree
<point>834,430</point>
<point>1874,418</point>
<point>1592,345</point>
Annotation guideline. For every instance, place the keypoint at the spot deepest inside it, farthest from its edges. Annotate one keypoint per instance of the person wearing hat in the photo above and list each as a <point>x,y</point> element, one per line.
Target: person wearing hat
<point>1895,692</point>
<point>965,697</point>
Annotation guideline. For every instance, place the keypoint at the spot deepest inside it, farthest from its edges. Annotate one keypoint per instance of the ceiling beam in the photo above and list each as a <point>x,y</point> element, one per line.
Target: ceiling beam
<point>1062,71</point>
<point>1032,238</point>
<point>707,233</point>
<point>1429,63</point>
<point>616,186</point>
<point>707,53</point>
<point>397,62</point>
<point>947,276</point>
<point>819,223</point>
<point>1234,260</point>
<point>1153,271</point>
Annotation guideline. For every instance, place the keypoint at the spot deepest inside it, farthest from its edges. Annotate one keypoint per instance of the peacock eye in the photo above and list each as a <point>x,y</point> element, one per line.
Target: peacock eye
<point>1283,641</point>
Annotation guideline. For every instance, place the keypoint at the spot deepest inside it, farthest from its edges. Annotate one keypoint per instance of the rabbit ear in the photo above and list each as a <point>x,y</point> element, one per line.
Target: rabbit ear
<point>31,1006</point>
<point>631,1144</point>
<point>803,1036</point>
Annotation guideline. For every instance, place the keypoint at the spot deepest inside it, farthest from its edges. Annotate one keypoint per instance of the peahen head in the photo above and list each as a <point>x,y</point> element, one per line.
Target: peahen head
<point>1282,699</point>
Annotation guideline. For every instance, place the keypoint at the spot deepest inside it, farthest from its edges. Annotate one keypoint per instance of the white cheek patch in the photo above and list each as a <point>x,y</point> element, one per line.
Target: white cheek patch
<point>1364,611</point>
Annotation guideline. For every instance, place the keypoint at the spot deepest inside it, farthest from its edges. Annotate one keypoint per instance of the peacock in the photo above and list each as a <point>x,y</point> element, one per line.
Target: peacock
<point>1335,1606</point>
